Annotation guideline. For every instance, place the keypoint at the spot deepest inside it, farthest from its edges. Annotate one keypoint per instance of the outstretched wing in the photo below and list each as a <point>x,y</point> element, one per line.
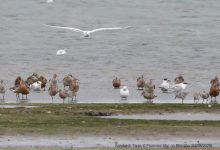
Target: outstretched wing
<point>100,29</point>
<point>69,28</point>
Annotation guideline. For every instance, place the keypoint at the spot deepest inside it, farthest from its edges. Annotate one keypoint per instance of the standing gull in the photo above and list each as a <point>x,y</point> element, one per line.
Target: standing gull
<point>124,92</point>
<point>178,87</point>
<point>165,85</point>
<point>36,86</point>
<point>87,33</point>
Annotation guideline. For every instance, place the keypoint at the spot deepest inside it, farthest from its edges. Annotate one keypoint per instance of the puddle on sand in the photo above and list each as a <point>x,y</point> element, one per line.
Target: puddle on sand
<point>176,116</point>
<point>104,141</point>
<point>17,106</point>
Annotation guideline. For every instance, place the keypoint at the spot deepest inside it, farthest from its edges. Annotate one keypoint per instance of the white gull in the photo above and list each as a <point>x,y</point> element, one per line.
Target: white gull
<point>61,52</point>
<point>124,92</point>
<point>87,33</point>
<point>165,85</point>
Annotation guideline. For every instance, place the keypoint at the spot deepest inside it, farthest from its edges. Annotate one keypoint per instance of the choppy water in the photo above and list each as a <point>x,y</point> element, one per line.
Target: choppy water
<point>183,38</point>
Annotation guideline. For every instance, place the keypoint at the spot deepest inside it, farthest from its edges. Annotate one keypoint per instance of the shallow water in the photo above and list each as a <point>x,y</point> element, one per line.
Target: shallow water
<point>107,141</point>
<point>176,116</point>
<point>183,38</point>
<point>17,106</point>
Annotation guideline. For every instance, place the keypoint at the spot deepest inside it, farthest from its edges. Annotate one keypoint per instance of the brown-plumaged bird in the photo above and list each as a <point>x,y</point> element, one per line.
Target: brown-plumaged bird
<point>196,96</point>
<point>215,81</point>
<point>21,88</point>
<point>3,88</point>
<point>18,80</point>
<point>67,80</point>
<point>32,79</point>
<point>74,86</point>
<point>44,82</point>
<point>54,80</point>
<point>62,95</point>
<point>179,79</point>
<point>205,96</point>
<point>116,83</point>
<point>70,94</point>
<point>181,95</point>
<point>53,90</point>
<point>214,91</point>
<point>149,87</point>
<point>148,96</point>
<point>141,81</point>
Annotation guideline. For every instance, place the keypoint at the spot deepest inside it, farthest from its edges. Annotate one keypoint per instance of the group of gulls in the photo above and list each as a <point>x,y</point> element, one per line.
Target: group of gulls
<point>36,84</point>
<point>178,87</point>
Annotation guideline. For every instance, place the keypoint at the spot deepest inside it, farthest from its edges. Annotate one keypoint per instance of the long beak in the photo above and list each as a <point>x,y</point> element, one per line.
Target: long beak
<point>76,79</point>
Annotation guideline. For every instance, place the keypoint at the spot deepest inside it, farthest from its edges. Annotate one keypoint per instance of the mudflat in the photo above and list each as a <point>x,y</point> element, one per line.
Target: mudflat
<point>79,125</point>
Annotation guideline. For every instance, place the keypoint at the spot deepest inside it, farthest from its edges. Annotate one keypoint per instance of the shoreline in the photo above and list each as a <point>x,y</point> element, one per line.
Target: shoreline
<point>55,122</point>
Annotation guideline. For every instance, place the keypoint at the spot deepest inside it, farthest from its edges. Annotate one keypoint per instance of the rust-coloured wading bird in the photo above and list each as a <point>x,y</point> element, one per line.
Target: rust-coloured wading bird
<point>44,82</point>
<point>32,79</point>
<point>18,80</point>
<point>21,88</point>
<point>141,82</point>
<point>148,96</point>
<point>116,83</point>
<point>3,88</point>
<point>53,90</point>
<point>179,79</point>
<point>67,80</point>
<point>62,95</point>
<point>54,80</point>
<point>214,91</point>
<point>181,95</point>
<point>149,87</point>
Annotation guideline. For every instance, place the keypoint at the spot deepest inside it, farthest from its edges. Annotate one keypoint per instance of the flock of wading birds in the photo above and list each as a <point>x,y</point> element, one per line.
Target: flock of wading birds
<point>178,87</point>
<point>36,83</point>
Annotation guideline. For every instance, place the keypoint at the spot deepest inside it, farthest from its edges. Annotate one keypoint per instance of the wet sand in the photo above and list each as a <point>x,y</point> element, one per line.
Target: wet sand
<point>166,116</point>
<point>100,141</point>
